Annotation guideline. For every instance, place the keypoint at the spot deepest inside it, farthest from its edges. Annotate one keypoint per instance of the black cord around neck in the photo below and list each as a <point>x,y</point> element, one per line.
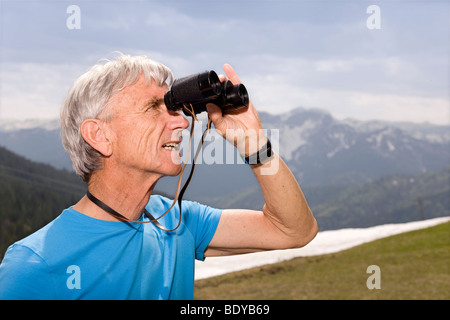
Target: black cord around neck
<point>120,217</point>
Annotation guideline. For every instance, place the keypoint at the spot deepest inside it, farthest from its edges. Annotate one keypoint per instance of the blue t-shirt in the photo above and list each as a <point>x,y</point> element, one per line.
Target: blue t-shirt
<point>79,257</point>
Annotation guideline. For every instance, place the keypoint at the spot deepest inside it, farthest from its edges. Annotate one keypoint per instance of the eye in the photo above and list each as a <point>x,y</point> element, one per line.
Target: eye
<point>151,106</point>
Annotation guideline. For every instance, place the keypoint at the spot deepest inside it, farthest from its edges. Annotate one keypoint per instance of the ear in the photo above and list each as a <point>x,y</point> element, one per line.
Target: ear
<point>94,134</point>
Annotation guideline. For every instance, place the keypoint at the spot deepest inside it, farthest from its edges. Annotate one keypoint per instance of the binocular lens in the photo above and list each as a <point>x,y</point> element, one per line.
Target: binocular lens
<point>192,89</point>
<point>209,83</point>
<point>199,89</point>
<point>236,95</point>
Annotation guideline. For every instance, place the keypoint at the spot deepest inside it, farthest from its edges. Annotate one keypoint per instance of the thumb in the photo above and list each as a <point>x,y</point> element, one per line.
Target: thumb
<point>215,114</point>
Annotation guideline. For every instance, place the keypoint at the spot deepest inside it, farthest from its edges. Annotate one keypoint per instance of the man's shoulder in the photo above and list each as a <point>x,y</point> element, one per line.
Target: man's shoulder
<point>26,268</point>
<point>37,245</point>
<point>23,265</point>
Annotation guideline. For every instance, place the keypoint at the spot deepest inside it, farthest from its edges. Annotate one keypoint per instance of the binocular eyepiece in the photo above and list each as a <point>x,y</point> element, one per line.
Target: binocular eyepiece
<point>199,89</point>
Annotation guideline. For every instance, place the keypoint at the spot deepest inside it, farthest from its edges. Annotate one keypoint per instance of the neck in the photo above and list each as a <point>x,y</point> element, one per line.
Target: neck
<point>125,195</point>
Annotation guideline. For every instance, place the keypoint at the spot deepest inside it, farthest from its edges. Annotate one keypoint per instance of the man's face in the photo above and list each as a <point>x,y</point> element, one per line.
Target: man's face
<point>145,136</point>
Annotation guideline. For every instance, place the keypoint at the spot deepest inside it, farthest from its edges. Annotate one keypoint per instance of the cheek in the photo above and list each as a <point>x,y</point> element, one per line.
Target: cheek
<point>147,139</point>
<point>130,142</point>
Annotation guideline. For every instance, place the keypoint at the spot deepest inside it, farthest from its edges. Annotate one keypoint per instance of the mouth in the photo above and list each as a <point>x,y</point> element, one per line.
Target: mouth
<point>172,146</point>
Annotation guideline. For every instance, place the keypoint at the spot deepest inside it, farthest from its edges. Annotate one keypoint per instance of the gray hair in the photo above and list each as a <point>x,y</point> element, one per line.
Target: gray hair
<point>88,99</point>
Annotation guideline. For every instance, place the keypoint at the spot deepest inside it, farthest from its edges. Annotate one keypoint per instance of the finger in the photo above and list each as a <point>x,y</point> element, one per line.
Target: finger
<point>215,114</point>
<point>231,74</point>
<point>222,78</point>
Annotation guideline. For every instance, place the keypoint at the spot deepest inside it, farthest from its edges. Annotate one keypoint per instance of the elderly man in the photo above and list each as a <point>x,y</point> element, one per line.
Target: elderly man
<point>122,139</point>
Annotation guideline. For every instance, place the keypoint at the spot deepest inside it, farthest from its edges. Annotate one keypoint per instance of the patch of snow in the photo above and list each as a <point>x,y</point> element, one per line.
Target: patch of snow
<point>324,243</point>
<point>390,146</point>
<point>342,145</point>
<point>292,138</point>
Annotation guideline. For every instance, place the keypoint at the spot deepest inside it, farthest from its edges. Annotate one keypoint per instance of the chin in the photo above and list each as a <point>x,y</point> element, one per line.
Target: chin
<point>173,171</point>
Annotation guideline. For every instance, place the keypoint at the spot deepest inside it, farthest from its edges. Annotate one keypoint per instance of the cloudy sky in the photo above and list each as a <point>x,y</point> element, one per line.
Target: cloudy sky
<point>388,64</point>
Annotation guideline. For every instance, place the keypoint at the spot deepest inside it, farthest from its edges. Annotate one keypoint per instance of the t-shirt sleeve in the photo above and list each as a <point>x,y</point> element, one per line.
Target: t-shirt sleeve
<point>24,275</point>
<point>203,221</point>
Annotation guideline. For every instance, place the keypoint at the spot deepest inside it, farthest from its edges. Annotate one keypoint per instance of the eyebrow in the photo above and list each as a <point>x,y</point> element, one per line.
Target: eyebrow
<point>153,101</point>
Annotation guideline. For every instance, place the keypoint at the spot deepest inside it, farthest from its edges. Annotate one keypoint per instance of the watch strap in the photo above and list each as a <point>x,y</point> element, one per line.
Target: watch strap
<point>261,156</point>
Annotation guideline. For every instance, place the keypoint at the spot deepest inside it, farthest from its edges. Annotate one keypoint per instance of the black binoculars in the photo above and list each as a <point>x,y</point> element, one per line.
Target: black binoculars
<point>196,90</point>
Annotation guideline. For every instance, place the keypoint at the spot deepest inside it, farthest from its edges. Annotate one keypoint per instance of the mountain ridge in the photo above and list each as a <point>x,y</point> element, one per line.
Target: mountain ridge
<point>308,138</point>
<point>320,150</point>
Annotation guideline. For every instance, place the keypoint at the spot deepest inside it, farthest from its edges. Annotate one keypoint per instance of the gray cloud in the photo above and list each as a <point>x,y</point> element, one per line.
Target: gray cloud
<point>289,53</point>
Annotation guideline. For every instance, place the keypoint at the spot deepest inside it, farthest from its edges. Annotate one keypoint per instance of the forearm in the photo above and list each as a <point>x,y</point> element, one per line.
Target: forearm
<point>285,205</point>
<point>286,220</point>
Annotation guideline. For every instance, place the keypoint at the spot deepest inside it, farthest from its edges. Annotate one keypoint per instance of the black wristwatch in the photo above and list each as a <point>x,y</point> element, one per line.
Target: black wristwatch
<point>263,154</point>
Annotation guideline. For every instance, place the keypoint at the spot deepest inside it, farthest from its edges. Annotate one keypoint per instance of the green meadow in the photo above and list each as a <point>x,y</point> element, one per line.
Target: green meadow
<point>412,265</point>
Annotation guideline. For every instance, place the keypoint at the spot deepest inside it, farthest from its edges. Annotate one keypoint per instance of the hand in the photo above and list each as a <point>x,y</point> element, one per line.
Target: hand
<point>241,127</point>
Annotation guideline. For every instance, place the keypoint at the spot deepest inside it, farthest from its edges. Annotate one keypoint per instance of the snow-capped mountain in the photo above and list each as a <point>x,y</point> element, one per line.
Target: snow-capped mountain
<point>323,150</point>
<point>319,149</point>
<point>8,125</point>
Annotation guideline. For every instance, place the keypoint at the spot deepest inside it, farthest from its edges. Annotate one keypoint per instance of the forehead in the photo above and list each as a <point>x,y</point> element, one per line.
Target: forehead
<point>139,94</point>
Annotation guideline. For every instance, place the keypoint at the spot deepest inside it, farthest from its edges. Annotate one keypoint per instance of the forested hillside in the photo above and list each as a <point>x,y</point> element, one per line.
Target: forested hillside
<point>391,199</point>
<point>31,195</point>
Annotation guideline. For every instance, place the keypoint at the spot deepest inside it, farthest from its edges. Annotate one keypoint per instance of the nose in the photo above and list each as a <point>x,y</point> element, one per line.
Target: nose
<point>177,120</point>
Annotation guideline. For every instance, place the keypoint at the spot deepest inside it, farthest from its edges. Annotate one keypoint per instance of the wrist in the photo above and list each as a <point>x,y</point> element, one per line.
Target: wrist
<point>263,155</point>
<point>251,144</point>
<point>248,142</point>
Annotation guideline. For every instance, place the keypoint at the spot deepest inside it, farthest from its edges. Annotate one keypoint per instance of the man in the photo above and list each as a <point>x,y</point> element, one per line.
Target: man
<point>122,140</point>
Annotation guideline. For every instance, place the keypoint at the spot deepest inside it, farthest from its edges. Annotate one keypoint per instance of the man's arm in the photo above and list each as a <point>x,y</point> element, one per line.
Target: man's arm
<point>286,220</point>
